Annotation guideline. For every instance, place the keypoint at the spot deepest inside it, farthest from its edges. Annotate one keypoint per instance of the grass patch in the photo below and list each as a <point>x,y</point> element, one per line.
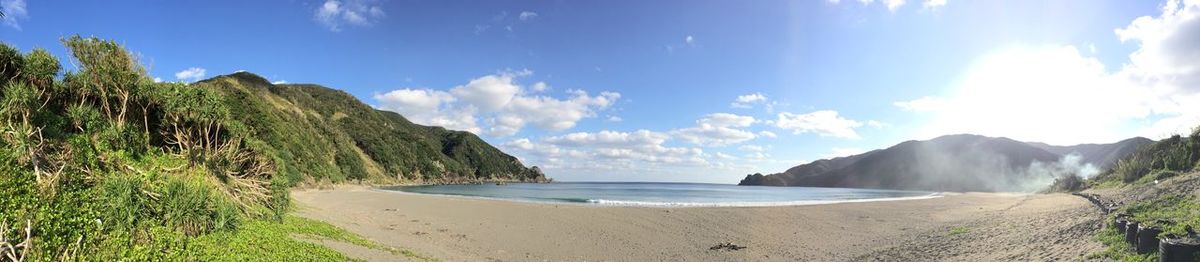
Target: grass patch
<point>256,240</point>
<point>1173,213</point>
<point>270,241</point>
<point>1117,249</point>
<point>959,231</point>
<point>1104,184</point>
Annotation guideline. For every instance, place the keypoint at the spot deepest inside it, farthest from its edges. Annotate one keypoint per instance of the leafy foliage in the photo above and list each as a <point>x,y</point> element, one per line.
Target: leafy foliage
<point>106,164</point>
<point>1118,249</point>
<point>1156,161</point>
<point>85,160</point>
<point>1175,211</point>
<point>325,134</point>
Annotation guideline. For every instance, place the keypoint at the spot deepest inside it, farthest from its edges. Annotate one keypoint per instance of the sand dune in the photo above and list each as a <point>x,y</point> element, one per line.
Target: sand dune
<point>972,226</point>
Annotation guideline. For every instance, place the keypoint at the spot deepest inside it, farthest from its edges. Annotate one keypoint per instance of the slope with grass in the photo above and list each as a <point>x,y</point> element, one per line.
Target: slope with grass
<point>1158,185</point>
<point>103,163</point>
<point>318,133</point>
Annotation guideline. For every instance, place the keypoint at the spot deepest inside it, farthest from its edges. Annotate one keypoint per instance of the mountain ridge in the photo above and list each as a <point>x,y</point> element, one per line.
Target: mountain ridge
<point>326,133</point>
<point>961,162</point>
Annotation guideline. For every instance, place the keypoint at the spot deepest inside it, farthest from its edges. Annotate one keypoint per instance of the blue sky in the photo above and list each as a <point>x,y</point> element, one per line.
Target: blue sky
<point>703,91</point>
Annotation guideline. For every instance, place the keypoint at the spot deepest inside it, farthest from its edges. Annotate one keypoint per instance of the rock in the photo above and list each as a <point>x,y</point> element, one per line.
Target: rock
<point>727,246</point>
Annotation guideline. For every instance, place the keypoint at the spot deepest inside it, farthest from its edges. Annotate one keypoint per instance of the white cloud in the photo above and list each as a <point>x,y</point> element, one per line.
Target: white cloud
<point>527,15</point>
<point>724,156</point>
<point>1169,52</point>
<point>717,129</point>
<point>539,87</point>
<point>767,134</point>
<point>747,101</point>
<point>523,144</point>
<point>505,106</point>
<point>413,101</point>
<point>279,82</point>
<point>14,10</point>
<point>191,74</point>
<point>933,4</point>
<point>892,5</point>
<point>824,123</point>
<point>726,119</point>
<point>610,148</point>
<point>876,124</point>
<point>554,114</point>
<point>751,98</point>
<point>609,139</point>
<point>334,14</point>
<point>689,40</point>
<point>158,80</point>
<point>752,148</point>
<point>489,93</point>
<point>614,119</point>
<point>429,107</point>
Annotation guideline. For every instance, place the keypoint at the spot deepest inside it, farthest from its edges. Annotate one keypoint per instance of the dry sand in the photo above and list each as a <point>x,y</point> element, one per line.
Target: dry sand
<point>986,227</point>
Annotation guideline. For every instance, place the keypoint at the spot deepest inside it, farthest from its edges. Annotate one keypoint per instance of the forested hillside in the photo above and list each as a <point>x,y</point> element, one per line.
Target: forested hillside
<point>322,133</point>
<point>100,162</point>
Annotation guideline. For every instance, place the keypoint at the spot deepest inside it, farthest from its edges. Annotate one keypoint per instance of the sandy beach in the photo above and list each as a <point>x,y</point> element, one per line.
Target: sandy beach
<point>970,226</point>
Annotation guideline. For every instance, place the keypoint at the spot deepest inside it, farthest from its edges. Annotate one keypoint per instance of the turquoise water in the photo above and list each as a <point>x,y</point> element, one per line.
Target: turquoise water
<point>666,194</point>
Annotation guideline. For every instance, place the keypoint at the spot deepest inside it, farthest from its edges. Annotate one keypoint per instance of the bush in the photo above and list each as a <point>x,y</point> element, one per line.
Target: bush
<point>125,202</point>
<point>1067,183</point>
<point>185,207</point>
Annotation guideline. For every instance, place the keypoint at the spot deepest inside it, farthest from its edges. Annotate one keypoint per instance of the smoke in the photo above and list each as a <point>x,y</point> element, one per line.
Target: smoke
<point>1042,175</point>
<point>967,165</point>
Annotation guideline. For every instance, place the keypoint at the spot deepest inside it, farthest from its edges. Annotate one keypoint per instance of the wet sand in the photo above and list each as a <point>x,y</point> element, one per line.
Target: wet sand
<point>970,226</point>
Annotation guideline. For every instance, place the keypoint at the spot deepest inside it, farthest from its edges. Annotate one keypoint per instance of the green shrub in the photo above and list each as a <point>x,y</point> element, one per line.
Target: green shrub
<point>185,206</point>
<point>125,202</point>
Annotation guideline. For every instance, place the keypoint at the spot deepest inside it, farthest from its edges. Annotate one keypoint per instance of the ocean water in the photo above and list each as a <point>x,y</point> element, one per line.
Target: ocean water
<point>666,194</point>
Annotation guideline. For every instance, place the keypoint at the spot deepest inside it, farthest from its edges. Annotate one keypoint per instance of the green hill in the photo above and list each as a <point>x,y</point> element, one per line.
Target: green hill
<point>322,133</point>
<point>103,163</point>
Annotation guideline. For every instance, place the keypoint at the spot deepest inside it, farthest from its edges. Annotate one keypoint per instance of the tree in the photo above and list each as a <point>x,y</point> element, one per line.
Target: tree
<point>108,75</point>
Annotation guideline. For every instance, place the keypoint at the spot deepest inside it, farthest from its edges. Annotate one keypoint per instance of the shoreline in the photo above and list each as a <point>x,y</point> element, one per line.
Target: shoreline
<point>648,204</point>
<point>996,226</point>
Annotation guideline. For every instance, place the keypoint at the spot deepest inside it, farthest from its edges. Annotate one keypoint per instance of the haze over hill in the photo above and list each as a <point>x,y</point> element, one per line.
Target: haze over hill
<point>954,163</point>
